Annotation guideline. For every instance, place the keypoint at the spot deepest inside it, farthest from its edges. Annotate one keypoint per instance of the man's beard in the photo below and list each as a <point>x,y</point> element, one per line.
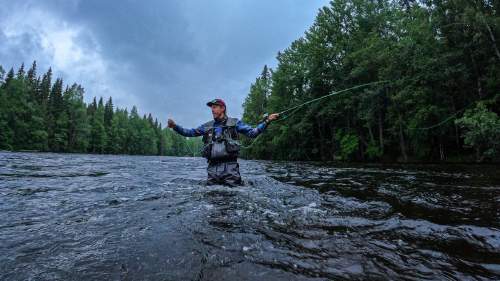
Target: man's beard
<point>221,116</point>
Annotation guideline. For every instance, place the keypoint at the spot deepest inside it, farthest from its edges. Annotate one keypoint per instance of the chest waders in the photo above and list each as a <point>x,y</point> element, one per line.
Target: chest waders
<point>221,151</point>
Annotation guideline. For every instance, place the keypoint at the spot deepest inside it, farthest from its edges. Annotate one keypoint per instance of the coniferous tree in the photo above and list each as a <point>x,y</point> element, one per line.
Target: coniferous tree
<point>9,78</point>
<point>31,75</point>
<point>56,118</point>
<point>134,131</point>
<point>2,74</point>
<point>439,61</point>
<point>20,72</point>
<point>36,115</point>
<point>415,47</point>
<point>6,133</point>
<point>78,125</point>
<point>98,132</point>
<point>108,113</point>
<point>45,87</point>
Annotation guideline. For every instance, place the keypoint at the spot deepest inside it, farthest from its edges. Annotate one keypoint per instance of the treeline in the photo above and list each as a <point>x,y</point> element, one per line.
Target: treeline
<point>36,114</point>
<point>441,61</point>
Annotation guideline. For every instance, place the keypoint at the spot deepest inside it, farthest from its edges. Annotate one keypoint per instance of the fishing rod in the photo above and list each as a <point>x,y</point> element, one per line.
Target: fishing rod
<point>446,119</point>
<point>331,94</point>
<point>294,109</point>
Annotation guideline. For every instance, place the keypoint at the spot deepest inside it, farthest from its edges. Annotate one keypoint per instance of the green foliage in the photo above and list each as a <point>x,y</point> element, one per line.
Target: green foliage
<point>348,145</point>
<point>438,56</point>
<point>373,151</point>
<point>38,115</point>
<point>481,131</point>
<point>97,133</point>
<point>256,102</point>
<point>78,128</point>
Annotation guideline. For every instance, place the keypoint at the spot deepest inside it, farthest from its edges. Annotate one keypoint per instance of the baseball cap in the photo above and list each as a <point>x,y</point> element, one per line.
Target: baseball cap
<point>216,101</point>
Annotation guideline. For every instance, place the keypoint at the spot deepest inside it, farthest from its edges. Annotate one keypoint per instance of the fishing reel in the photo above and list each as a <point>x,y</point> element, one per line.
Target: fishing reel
<point>264,117</point>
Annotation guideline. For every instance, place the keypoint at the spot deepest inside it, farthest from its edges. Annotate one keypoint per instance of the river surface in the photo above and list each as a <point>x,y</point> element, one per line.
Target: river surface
<point>91,217</point>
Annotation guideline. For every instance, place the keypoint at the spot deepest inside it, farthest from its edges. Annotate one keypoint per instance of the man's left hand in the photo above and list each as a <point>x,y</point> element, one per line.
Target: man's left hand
<point>273,117</point>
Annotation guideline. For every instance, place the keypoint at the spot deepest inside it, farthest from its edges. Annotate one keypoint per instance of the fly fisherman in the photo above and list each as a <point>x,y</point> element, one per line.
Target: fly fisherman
<point>221,146</point>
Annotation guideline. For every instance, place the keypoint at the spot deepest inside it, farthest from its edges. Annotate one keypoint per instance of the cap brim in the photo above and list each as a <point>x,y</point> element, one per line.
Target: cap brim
<point>216,103</point>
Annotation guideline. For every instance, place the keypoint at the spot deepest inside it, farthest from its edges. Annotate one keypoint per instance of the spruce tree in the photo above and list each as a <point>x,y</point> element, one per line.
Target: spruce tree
<point>56,121</point>
<point>9,78</point>
<point>2,74</point>
<point>45,87</point>
<point>31,75</point>
<point>20,72</point>
<point>108,113</point>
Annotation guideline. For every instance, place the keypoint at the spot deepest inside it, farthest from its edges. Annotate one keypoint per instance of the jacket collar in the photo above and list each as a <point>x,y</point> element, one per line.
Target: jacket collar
<point>222,121</point>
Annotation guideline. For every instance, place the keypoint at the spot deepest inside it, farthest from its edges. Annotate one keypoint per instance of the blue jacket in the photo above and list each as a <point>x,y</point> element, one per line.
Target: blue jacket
<point>241,128</point>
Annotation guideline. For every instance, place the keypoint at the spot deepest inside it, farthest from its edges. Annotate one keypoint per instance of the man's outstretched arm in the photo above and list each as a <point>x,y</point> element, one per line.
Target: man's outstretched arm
<point>186,132</point>
<point>250,132</point>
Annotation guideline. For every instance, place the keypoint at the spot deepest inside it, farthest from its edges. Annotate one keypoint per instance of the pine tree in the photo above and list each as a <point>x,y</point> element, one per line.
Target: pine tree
<point>9,78</point>
<point>92,108</point>
<point>45,87</point>
<point>150,120</point>
<point>34,114</point>
<point>56,119</point>
<point>33,82</point>
<point>6,133</point>
<point>20,72</point>
<point>60,138</point>
<point>120,130</point>
<point>108,113</point>
<point>2,73</point>
<point>77,124</point>
<point>134,131</point>
<point>32,73</point>
<point>98,132</point>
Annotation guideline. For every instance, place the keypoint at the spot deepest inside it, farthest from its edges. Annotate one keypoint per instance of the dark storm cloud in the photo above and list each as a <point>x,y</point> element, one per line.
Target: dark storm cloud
<point>167,57</point>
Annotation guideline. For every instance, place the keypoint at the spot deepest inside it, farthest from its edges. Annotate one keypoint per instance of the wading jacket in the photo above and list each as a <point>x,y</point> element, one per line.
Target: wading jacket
<point>225,130</point>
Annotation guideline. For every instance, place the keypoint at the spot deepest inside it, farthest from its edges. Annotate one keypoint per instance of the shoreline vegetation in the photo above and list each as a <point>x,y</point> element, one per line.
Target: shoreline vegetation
<point>38,115</point>
<point>441,104</point>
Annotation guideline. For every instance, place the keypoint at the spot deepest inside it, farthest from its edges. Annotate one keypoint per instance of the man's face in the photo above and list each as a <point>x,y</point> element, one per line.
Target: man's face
<point>218,110</point>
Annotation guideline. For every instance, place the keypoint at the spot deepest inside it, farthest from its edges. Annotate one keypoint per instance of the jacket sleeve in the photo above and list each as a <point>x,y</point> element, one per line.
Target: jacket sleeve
<point>190,132</point>
<point>248,131</point>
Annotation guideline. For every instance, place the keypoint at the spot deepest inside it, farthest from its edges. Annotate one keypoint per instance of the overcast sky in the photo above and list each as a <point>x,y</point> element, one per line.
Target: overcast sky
<point>167,57</point>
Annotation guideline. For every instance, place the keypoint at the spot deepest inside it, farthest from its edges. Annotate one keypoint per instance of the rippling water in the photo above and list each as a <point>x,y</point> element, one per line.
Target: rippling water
<point>89,217</point>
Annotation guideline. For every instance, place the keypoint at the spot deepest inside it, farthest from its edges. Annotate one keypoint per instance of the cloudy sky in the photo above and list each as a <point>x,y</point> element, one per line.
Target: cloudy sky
<point>167,57</point>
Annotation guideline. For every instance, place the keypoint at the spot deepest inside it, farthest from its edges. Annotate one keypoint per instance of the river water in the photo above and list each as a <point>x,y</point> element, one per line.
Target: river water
<point>102,217</point>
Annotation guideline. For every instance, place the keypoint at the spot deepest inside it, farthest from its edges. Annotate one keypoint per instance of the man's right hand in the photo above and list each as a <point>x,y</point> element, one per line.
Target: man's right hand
<point>171,123</point>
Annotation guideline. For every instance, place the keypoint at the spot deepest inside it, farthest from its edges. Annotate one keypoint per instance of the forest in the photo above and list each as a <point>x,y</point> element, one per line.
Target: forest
<point>37,114</point>
<point>438,64</point>
<point>435,93</point>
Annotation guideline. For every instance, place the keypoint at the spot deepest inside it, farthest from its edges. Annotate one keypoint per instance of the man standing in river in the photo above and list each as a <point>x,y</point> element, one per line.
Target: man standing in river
<point>220,142</point>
